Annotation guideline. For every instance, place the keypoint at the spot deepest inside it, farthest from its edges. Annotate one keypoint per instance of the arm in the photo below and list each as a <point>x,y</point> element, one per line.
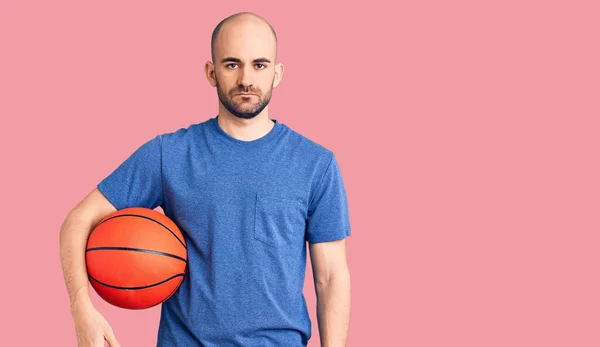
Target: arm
<point>90,325</point>
<point>332,285</point>
<point>73,237</point>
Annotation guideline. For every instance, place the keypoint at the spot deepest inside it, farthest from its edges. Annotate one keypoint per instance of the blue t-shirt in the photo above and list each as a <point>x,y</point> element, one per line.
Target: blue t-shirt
<point>246,210</point>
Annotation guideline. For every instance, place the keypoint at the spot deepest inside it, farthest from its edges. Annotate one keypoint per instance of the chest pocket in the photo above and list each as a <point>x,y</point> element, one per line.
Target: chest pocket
<point>279,221</point>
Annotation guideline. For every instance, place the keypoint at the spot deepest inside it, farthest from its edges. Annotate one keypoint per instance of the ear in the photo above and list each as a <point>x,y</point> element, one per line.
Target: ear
<point>278,74</point>
<point>209,70</point>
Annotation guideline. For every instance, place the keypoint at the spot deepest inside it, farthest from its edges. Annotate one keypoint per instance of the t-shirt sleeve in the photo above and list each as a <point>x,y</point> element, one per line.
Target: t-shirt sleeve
<point>137,182</point>
<point>327,218</point>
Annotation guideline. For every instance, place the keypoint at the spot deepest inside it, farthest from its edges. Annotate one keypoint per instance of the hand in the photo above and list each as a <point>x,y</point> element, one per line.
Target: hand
<point>91,327</point>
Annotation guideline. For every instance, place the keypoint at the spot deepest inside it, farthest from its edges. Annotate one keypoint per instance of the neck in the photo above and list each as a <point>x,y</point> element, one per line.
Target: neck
<point>245,129</point>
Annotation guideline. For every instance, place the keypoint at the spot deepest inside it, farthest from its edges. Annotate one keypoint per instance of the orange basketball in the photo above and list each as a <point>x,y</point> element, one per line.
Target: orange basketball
<point>136,258</point>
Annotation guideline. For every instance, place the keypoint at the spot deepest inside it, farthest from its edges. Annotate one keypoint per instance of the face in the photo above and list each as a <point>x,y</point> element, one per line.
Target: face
<point>244,64</point>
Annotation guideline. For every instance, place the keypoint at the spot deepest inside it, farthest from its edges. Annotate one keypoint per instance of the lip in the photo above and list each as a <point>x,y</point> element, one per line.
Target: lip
<point>244,94</point>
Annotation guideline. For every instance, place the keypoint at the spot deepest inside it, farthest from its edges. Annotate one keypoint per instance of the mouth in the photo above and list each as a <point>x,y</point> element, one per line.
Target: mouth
<point>244,94</point>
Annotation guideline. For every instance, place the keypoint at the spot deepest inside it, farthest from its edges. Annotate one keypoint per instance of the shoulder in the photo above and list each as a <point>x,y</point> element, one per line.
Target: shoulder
<point>181,135</point>
<point>310,148</point>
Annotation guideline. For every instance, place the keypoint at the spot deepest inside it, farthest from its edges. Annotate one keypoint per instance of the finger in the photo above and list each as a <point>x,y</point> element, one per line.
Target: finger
<point>97,342</point>
<point>111,339</point>
<point>112,342</point>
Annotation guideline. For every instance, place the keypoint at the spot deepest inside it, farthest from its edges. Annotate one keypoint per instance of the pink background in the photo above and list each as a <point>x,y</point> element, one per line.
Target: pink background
<point>467,132</point>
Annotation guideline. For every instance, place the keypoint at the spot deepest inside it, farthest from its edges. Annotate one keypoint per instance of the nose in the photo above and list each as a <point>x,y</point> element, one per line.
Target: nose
<point>245,78</point>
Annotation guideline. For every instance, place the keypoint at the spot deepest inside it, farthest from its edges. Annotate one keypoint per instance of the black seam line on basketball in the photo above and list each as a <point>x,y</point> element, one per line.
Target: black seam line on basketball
<point>136,288</point>
<point>135,250</point>
<point>137,215</point>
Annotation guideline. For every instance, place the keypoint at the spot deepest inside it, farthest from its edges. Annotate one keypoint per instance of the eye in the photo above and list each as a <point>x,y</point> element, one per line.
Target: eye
<point>228,65</point>
<point>263,66</point>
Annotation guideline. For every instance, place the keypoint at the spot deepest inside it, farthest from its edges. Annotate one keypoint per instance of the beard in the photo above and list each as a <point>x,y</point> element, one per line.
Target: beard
<point>239,107</point>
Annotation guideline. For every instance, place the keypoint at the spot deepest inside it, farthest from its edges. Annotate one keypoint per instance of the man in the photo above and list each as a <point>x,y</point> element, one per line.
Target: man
<point>248,193</point>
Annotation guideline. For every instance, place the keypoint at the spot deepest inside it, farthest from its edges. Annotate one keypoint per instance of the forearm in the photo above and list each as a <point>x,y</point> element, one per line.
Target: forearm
<point>333,311</point>
<point>73,238</point>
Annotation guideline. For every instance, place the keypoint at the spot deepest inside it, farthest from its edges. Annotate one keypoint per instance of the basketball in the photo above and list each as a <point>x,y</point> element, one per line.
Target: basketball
<point>136,258</point>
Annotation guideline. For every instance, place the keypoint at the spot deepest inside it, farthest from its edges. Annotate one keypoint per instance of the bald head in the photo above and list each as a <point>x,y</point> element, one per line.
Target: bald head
<point>239,20</point>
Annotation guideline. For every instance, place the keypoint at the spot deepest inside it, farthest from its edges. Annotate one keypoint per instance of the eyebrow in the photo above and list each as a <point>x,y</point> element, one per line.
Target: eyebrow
<point>237,60</point>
